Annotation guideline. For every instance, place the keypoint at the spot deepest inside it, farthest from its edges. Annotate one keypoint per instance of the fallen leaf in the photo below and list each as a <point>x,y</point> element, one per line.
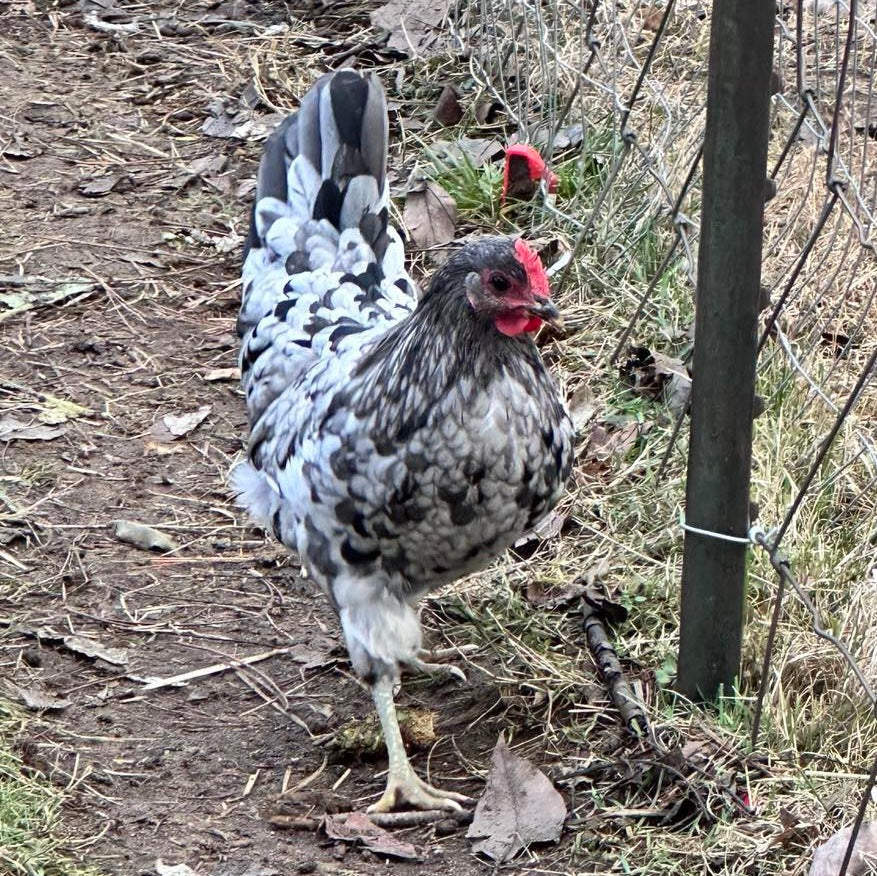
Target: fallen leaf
<point>430,215</point>
<point>90,648</point>
<point>581,586</point>
<point>599,600</point>
<point>142,536</point>
<point>224,126</point>
<point>317,652</point>
<point>38,700</point>
<point>415,26</point>
<point>837,341</point>
<point>827,859</point>
<point>209,165</point>
<point>358,827</point>
<point>18,149</point>
<point>448,110</point>
<point>214,374</point>
<point>608,440</point>
<point>100,186</point>
<point>59,410</point>
<point>566,138</point>
<point>582,408</point>
<point>173,426</point>
<point>251,97</point>
<point>652,18</point>
<point>163,869</point>
<point>486,110</point>
<point>519,806</point>
<point>12,429</point>
<point>550,526</point>
<point>475,151</point>
<point>655,375</point>
<point>8,534</point>
<point>31,292</point>
<point>246,189</point>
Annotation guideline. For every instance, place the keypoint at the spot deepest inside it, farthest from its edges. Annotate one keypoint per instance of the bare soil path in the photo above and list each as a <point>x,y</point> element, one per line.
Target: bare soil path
<point>110,183</point>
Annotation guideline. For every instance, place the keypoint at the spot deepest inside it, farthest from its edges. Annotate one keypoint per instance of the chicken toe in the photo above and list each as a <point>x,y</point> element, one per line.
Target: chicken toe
<point>426,668</point>
<point>409,791</point>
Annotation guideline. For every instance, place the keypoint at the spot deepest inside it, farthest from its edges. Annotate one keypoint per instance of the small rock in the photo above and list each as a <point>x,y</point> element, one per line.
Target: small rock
<point>142,536</point>
<point>446,827</point>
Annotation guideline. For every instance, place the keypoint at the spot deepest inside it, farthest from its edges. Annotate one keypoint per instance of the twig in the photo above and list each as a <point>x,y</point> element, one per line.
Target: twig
<point>610,670</point>
<point>417,818</point>
<point>212,670</point>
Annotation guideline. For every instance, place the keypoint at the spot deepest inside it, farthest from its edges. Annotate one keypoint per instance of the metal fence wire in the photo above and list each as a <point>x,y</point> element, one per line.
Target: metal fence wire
<point>628,82</point>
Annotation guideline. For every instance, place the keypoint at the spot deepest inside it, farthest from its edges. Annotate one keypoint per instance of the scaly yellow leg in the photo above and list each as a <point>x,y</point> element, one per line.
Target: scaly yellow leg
<point>404,787</point>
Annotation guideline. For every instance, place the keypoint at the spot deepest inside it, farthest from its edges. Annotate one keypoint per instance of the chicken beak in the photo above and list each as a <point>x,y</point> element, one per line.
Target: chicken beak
<point>547,312</point>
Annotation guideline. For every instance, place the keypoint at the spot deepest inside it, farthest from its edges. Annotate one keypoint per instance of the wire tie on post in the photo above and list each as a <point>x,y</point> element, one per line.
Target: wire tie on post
<point>736,539</point>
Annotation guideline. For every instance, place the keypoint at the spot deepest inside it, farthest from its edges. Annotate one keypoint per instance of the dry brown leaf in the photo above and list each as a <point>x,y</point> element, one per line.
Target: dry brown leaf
<point>519,806</point>
<point>352,827</point>
<point>583,585</point>
<point>430,215</point>
<point>549,527</point>
<point>486,110</point>
<point>608,441</point>
<point>90,648</point>
<point>655,375</point>
<point>100,186</point>
<point>224,126</point>
<point>38,700</point>
<point>447,109</point>
<point>12,429</point>
<point>209,165</point>
<point>215,374</point>
<point>582,408</point>
<point>415,26</point>
<point>652,17</point>
<point>173,426</point>
<point>476,151</point>
<point>827,859</point>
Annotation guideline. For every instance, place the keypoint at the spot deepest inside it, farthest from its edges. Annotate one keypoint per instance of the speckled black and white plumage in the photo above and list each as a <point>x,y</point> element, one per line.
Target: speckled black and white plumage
<point>395,444</point>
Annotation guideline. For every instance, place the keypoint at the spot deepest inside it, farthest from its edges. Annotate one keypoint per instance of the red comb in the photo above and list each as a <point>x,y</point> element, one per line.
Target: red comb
<point>532,264</point>
<point>536,167</point>
<point>534,160</point>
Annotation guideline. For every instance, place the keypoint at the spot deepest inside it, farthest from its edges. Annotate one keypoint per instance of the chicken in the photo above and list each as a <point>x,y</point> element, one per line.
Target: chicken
<point>523,172</point>
<point>396,444</point>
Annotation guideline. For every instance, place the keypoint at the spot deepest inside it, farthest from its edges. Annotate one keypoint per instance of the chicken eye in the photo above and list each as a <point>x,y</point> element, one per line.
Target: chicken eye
<point>500,282</point>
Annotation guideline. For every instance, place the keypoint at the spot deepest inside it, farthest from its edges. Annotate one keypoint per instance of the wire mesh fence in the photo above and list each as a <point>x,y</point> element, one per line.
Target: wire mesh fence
<point>622,89</point>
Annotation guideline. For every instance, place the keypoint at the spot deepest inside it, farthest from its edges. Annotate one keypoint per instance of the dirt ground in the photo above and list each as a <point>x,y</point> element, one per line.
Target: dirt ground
<point>109,182</point>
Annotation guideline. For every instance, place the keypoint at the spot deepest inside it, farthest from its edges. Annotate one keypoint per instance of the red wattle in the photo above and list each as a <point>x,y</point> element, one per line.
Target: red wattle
<point>513,324</point>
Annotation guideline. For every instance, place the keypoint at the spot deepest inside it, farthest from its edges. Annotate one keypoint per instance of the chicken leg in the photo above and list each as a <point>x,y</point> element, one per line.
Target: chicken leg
<point>404,786</point>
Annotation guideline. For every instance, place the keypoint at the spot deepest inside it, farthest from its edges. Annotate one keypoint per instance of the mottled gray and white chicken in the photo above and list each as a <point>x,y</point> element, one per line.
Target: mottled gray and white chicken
<point>396,444</point>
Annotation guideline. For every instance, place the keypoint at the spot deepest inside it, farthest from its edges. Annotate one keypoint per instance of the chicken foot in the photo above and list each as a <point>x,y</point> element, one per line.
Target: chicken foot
<point>404,786</point>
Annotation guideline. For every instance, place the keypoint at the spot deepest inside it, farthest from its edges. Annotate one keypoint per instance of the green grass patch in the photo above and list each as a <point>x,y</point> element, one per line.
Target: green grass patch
<point>32,842</point>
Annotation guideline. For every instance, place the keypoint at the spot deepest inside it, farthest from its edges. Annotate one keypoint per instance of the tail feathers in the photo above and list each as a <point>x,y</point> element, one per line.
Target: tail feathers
<point>329,160</point>
<point>253,491</point>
